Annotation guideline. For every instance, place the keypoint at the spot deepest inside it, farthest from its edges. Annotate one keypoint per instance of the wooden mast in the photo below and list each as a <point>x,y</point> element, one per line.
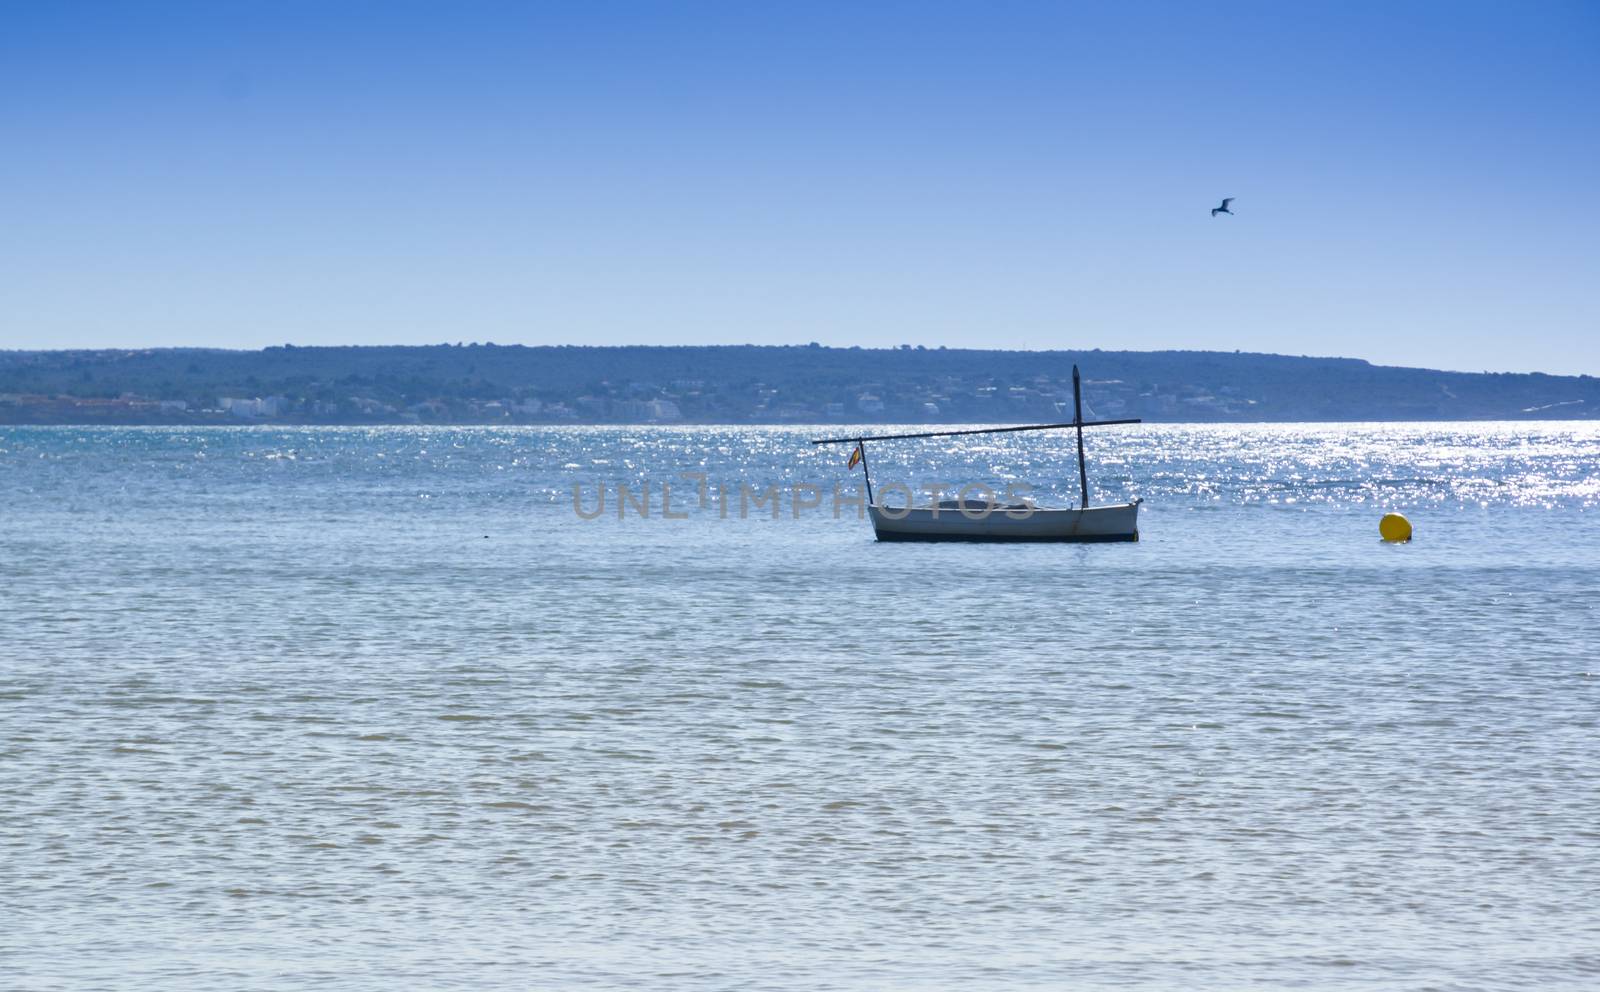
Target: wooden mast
<point>1077,420</point>
<point>866,473</point>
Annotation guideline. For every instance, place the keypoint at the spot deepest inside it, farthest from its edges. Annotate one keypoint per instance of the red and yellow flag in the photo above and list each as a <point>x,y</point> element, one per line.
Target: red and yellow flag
<point>856,456</point>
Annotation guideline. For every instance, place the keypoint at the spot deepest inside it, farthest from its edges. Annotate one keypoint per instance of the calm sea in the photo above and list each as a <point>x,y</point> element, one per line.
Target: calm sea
<point>376,709</point>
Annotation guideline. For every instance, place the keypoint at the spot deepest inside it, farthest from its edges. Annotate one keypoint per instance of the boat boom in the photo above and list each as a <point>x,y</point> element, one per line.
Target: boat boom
<point>980,430</point>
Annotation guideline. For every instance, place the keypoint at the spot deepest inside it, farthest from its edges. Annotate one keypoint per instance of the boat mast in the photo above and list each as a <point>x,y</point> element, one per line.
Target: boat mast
<point>1077,421</point>
<point>866,472</point>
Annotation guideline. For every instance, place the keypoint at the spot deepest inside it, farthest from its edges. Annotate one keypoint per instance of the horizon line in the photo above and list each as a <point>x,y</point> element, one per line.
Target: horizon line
<point>810,345</point>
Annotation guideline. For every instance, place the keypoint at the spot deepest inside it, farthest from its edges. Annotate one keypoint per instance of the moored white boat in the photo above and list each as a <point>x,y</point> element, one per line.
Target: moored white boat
<point>955,520</point>
<point>949,521</point>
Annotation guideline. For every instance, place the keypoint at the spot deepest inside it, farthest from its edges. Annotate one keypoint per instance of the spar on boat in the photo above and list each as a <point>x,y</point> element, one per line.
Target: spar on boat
<point>989,520</point>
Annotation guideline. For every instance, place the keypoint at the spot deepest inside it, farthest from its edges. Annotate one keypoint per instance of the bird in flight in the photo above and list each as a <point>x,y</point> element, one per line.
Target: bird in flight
<point>1224,208</point>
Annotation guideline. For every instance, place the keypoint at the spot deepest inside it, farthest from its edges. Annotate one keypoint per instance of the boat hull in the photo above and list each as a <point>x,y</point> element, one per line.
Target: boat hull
<point>1118,522</point>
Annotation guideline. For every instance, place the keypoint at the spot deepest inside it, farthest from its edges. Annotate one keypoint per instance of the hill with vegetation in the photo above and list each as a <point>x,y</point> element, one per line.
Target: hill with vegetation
<point>492,384</point>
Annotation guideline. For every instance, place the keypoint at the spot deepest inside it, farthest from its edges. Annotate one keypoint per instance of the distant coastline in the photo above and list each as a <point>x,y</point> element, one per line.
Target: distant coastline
<point>481,384</point>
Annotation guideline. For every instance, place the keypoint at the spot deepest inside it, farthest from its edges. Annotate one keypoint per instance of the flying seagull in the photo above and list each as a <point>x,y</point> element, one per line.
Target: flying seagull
<point>1224,208</point>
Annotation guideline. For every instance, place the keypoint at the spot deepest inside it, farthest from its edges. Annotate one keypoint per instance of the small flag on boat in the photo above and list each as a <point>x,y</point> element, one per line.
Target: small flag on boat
<point>856,456</point>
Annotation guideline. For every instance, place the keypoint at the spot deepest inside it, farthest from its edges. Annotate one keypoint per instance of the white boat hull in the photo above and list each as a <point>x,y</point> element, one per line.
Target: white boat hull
<point>1117,522</point>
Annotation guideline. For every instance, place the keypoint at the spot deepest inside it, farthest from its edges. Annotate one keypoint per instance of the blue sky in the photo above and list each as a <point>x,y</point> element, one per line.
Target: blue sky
<point>1416,183</point>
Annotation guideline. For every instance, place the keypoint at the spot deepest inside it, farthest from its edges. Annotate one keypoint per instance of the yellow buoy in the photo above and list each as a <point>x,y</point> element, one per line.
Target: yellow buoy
<point>1395,528</point>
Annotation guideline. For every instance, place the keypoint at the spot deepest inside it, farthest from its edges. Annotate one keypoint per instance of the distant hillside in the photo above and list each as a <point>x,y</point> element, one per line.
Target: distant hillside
<point>487,383</point>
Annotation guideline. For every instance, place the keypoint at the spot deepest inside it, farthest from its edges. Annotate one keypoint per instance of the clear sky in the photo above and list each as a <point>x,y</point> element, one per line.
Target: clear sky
<point>1416,183</point>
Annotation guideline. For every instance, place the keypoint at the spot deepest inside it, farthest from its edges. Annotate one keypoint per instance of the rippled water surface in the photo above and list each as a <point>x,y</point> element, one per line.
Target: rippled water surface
<point>375,708</point>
